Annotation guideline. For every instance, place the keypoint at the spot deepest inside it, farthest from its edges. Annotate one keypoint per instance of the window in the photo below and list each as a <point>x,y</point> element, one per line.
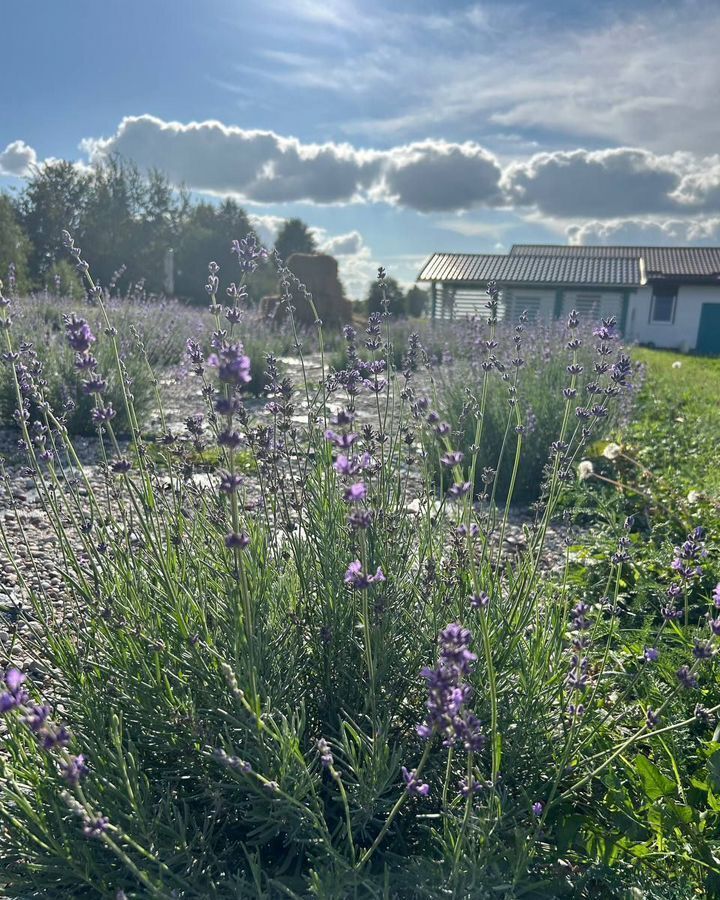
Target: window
<point>662,309</point>
<point>530,305</point>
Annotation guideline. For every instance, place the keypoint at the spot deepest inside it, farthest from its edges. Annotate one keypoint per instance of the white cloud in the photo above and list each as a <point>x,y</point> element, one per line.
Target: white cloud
<point>264,167</point>
<point>343,244</point>
<point>428,176</point>
<point>646,231</point>
<point>17,159</point>
<point>267,227</point>
<point>437,176</point>
<point>259,166</point>
<point>601,183</point>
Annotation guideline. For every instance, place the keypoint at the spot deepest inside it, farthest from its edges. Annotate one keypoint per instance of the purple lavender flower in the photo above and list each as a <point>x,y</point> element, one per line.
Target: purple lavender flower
<point>360,518</point>
<point>52,736</point>
<point>651,719</point>
<point>448,692</point>
<point>96,826</point>
<point>452,458</point>
<point>538,808</point>
<point>465,789</point>
<point>686,677</point>
<point>703,650</point>
<point>236,541</point>
<point>459,490</point>
<point>103,414</point>
<point>35,717</point>
<point>16,694</point>
<point>358,579</point>
<point>480,601</point>
<point>230,483</point>
<point>326,757</point>
<point>230,439</point>
<point>651,654</point>
<point>94,385</point>
<point>343,441</point>
<point>355,493</point>
<point>121,466</point>
<point>249,253</point>
<point>232,364</point>
<point>412,785</point>
<point>78,333</point>
<point>74,769</point>
<point>716,595</point>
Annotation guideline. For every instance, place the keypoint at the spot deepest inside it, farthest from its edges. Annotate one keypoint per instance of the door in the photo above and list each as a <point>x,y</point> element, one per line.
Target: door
<point>708,341</point>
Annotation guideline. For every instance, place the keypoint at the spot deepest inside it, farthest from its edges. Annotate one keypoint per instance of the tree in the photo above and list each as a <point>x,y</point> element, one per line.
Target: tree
<point>110,221</point>
<point>392,292</point>
<point>14,247</point>
<point>205,235</point>
<point>294,237</point>
<point>54,198</point>
<point>416,301</point>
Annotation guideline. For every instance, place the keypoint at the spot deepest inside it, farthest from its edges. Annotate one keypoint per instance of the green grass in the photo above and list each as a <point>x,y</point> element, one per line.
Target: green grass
<point>676,428</point>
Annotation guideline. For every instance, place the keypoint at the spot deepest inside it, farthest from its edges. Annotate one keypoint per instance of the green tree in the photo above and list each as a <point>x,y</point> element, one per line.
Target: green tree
<point>205,234</point>
<point>112,210</point>
<point>416,302</point>
<point>14,246</point>
<point>294,237</point>
<point>392,292</point>
<point>54,198</point>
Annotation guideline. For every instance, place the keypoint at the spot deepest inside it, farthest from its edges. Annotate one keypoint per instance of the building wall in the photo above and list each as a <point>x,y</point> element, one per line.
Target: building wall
<point>682,333</point>
<point>593,305</point>
<point>538,302</point>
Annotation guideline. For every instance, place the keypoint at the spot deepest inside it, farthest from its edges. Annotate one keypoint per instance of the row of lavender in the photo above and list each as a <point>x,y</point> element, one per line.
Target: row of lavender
<point>342,688</point>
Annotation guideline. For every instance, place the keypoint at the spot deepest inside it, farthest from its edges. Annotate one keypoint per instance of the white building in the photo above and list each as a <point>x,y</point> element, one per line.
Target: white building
<point>661,296</point>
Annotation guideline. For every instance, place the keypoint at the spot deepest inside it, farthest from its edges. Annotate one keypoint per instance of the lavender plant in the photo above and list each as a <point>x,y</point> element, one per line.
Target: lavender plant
<point>327,679</point>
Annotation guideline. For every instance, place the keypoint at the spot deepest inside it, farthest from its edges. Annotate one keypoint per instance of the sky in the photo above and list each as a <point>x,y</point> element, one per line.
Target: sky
<point>394,129</point>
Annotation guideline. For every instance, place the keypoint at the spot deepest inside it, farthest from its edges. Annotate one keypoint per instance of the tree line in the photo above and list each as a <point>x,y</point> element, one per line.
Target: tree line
<point>122,216</point>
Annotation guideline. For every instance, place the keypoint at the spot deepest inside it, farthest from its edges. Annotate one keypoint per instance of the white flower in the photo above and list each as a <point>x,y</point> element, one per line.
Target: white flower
<point>677,364</point>
<point>585,470</point>
<point>694,497</point>
<point>612,451</point>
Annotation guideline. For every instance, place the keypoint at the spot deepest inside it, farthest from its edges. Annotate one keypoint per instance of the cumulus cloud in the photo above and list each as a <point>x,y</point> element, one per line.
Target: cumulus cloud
<point>437,176</point>
<point>264,167</point>
<point>343,244</point>
<point>267,227</point>
<point>646,231</point>
<point>259,166</point>
<point>17,159</point>
<point>602,183</point>
<point>429,176</point>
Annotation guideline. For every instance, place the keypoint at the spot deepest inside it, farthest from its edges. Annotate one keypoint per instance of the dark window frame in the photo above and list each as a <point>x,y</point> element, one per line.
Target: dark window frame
<point>663,292</point>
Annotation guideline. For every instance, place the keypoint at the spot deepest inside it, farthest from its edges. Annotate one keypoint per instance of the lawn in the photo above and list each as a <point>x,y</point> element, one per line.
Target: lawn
<point>677,420</point>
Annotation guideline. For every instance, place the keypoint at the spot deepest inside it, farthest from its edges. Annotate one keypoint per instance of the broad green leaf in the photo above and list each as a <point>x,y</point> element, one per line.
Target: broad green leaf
<point>654,783</point>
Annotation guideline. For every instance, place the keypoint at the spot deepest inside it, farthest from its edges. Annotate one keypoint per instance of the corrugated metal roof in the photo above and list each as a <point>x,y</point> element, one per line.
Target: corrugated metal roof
<point>526,269</point>
<point>694,262</point>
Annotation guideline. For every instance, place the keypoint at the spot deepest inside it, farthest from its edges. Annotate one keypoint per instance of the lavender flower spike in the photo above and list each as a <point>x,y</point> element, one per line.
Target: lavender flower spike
<point>412,785</point>
<point>358,579</point>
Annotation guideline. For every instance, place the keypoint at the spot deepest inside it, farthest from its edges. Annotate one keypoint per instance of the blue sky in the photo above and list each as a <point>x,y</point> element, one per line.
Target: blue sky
<point>395,129</point>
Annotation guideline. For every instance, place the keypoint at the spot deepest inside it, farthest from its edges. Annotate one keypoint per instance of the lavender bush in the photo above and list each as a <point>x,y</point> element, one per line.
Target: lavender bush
<point>336,685</point>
